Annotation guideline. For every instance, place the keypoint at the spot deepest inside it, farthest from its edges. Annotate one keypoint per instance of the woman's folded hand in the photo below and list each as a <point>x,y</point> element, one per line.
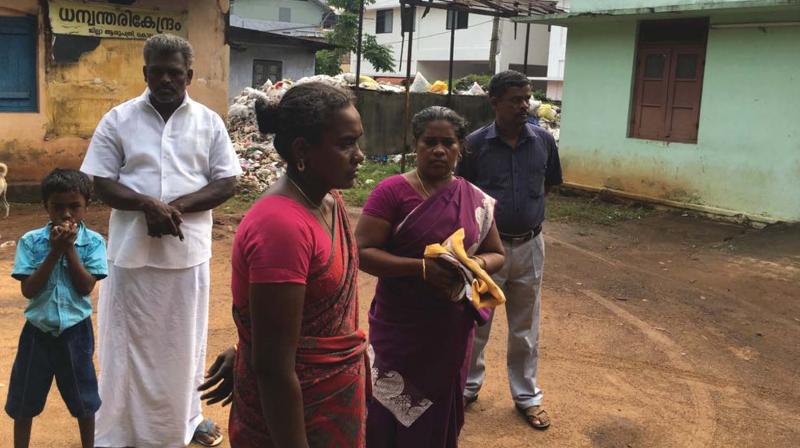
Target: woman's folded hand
<point>442,275</point>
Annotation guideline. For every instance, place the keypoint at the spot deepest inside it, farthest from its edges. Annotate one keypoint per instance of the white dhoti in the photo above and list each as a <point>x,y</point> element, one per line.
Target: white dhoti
<point>152,331</point>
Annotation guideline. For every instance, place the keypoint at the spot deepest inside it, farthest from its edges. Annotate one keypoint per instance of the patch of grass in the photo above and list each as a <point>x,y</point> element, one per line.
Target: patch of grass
<point>591,211</point>
<point>369,175</point>
<point>238,204</point>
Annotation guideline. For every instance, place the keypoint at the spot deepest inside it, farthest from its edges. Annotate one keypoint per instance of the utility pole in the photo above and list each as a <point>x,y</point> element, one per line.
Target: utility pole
<point>493,46</point>
<point>358,46</point>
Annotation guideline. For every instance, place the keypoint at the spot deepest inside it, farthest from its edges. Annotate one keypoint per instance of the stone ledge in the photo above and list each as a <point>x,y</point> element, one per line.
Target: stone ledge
<point>24,192</point>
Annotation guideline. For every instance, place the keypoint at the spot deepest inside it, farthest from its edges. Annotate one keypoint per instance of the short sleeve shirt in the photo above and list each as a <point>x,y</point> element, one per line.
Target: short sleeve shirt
<point>58,306</point>
<point>515,177</point>
<point>134,146</point>
<point>278,241</point>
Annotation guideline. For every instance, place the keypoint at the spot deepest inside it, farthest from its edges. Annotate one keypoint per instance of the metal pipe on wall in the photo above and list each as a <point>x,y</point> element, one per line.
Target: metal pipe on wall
<point>527,45</point>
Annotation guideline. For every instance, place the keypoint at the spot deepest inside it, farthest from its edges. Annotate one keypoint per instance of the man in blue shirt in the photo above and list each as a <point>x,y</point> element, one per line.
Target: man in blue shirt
<point>58,266</point>
<point>516,163</point>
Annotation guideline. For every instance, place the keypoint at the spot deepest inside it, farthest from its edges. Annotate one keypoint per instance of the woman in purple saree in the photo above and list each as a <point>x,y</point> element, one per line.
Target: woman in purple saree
<point>420,340</point>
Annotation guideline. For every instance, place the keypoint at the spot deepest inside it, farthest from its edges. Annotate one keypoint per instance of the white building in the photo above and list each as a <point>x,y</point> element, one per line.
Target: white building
<point>431,48</point>
<point>555,59</point>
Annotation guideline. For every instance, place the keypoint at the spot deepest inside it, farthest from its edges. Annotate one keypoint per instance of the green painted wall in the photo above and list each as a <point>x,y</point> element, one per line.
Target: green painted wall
<point>747,158</point>
<point>303,11</point>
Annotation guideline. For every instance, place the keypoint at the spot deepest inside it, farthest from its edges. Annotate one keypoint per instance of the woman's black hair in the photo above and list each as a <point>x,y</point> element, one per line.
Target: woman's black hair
<point>304,111</point>
<point>438,113</point>
<point>64,181</point>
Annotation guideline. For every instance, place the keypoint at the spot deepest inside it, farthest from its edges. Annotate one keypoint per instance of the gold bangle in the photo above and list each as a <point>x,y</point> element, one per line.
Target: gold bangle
<point>424,274</point>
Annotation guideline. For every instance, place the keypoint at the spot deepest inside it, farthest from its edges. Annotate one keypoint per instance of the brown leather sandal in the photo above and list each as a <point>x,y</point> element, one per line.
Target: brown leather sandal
<point>536,417</point>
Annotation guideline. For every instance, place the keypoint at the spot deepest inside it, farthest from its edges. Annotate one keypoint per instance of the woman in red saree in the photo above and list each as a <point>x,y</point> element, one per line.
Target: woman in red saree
<point>421,338</point>
<point>299,370</point>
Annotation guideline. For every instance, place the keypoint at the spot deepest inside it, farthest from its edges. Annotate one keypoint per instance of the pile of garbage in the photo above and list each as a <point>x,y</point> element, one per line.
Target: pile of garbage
<point>547,116</point>
<point>259,160</point>
<point>261,164</point>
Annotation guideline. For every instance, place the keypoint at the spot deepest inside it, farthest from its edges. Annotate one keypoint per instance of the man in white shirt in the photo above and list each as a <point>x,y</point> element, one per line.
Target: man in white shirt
<point>162,161</point>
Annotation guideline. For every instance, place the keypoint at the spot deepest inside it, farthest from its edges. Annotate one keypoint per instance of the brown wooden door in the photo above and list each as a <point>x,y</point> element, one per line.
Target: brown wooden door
<point>652,93</point>
<point>668,87</point>
<point>686,82</point>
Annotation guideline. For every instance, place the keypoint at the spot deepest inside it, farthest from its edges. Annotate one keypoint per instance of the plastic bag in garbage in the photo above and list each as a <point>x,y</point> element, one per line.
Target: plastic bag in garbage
<point>239,111</point>
<point>533,106</point>
<point>545,111</point>
<point>349,78</point>
<point>391,88</point>
<point>325,79</point>
<point>439,87</point>
<point>368,83</point>
<point>364,81</point>
<point>475,90</point>
<point>280,88</point>
<point>420,84</point>
<point>254,94</point>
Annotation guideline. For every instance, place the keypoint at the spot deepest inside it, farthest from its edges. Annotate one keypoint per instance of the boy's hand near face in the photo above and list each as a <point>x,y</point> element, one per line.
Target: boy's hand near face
<point>63,236</point>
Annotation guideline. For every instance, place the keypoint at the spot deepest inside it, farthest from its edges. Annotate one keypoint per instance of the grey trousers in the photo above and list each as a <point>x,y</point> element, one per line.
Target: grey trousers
<point>521,281</point>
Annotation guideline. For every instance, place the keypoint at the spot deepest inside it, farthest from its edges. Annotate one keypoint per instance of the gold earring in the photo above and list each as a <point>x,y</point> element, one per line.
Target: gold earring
<point>301,166</point>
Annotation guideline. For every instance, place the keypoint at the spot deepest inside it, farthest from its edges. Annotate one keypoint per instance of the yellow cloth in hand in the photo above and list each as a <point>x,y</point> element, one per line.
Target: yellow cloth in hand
<point>484,291</point>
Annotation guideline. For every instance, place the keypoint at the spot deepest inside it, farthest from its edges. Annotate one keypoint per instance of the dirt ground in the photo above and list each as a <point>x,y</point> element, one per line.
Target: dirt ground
<point>669,331</point>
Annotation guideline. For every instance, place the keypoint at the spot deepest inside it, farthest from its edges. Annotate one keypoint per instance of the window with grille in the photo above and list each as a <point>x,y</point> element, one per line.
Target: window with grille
<point>669,79</point>
<point>383,21</point>
<point>18,64</point>
<point>461,19</point>
<point>264,70</point>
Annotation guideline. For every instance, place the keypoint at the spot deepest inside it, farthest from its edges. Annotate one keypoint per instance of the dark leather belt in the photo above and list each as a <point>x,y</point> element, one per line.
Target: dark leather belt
<point>521,238</point>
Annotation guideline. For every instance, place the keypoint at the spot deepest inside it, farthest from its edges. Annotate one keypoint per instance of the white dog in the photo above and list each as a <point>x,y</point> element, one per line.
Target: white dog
<point>3,187</point>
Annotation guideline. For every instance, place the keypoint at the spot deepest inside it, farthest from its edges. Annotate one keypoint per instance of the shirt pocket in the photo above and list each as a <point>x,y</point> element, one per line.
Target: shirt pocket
<point>38,254</point>
<point>191,144</point>
<point>536,186</point>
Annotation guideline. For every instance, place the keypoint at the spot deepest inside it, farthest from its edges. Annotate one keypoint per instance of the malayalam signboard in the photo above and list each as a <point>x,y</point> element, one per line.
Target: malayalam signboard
<point>113,21</point>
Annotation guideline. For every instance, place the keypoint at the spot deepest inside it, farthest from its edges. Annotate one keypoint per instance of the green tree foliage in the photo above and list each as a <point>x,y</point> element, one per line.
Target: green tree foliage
<point>345,37</point>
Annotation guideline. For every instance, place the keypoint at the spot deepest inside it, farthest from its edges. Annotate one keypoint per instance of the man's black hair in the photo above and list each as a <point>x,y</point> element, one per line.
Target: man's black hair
<point>505,80</point>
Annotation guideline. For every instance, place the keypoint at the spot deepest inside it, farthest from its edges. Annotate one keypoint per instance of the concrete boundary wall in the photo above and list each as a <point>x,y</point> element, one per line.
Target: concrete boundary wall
<point>382,116</point>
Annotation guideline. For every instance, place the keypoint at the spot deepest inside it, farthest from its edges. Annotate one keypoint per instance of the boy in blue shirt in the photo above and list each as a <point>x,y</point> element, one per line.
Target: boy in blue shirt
<point>58,266</point>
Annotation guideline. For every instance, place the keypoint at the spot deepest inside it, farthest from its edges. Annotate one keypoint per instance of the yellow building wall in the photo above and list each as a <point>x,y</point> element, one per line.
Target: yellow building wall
<point>73,97</point>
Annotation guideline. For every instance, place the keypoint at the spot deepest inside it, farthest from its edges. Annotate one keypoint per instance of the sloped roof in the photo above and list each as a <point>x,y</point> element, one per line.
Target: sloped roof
<point>790,7</point>
<point>501,8</point>
<point>244,37</point>
<point>271,26</point>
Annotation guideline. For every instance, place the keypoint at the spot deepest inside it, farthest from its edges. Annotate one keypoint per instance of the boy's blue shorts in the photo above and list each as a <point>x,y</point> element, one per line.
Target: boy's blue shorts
<point>68,357</point>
